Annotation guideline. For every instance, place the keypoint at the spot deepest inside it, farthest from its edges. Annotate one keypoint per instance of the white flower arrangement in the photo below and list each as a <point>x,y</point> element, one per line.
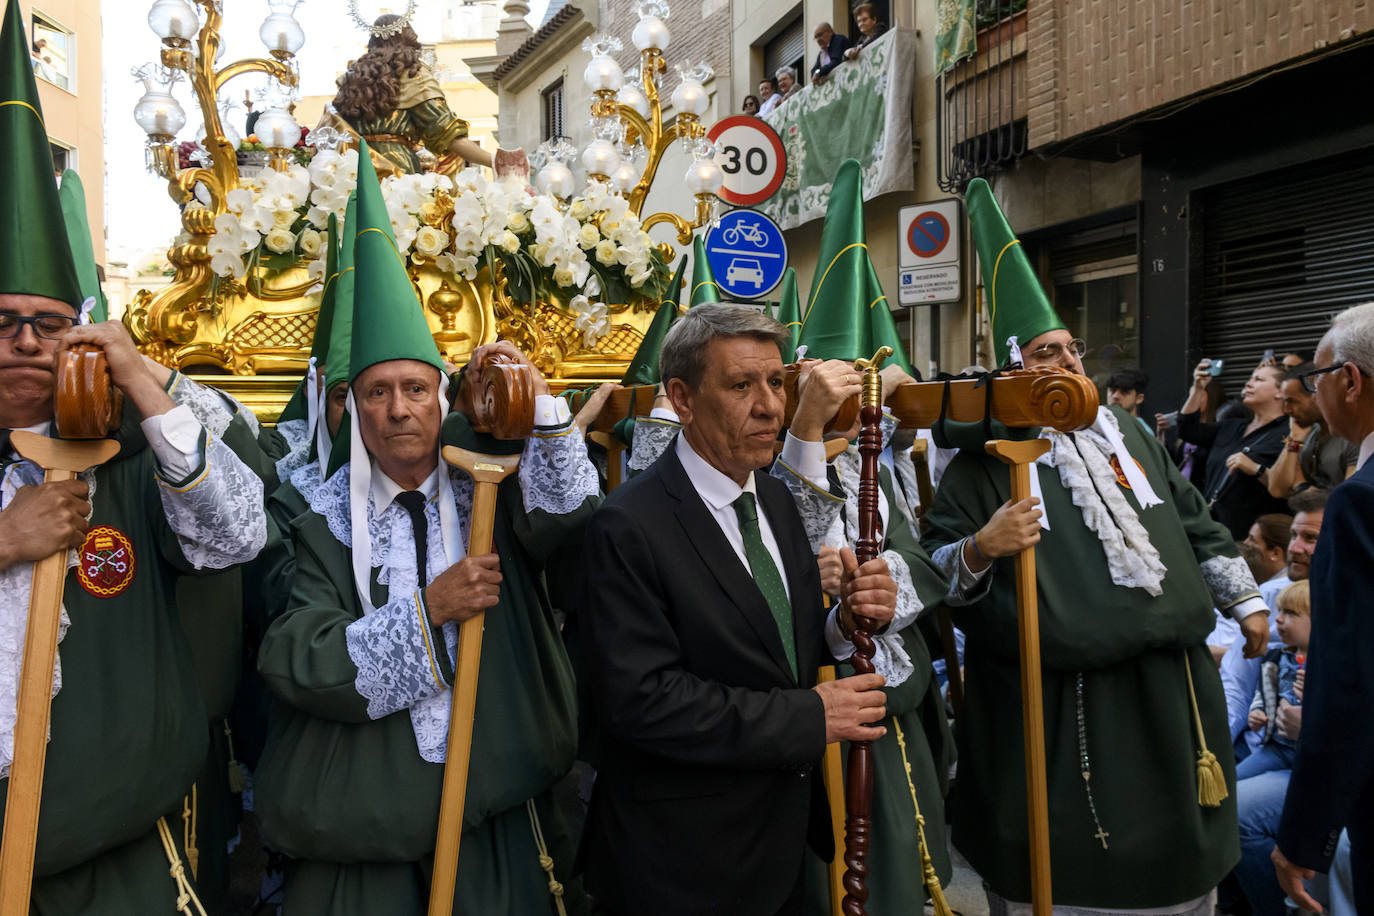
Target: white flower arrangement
<point>592,245</point>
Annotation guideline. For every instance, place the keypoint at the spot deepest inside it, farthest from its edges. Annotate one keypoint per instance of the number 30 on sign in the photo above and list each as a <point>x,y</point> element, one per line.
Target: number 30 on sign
<point>751,156</point>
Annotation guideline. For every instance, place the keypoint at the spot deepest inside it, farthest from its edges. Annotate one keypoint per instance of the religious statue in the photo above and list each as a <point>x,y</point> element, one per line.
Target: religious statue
<point>391,98</point>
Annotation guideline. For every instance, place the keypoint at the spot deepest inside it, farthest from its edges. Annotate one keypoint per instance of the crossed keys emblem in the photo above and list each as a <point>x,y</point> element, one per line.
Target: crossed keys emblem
<point>107,562</point>
<point>115,561</point>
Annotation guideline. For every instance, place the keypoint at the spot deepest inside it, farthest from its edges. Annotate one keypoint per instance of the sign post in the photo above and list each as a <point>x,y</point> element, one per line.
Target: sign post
<point>929,267</point>
<point>747,253</point>
<point>751,155</point>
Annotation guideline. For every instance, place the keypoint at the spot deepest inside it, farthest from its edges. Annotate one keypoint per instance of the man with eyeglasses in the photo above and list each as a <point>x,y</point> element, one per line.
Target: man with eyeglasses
<point>1332,786</point>
<point>1129,568</point>
<point>128,731</point>
<point>1311,456</point>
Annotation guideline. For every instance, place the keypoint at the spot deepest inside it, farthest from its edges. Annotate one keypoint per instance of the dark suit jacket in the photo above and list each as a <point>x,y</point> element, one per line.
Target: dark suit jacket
<point>838,45</point>
<point>708,786</point>
<point>1333,777</point>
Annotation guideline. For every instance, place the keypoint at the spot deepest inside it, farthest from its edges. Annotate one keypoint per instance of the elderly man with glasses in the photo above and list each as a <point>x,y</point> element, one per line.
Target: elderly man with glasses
<point>1130,566</point>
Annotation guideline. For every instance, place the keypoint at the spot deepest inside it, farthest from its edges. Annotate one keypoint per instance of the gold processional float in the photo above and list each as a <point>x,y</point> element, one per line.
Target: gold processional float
<point>573,280</point>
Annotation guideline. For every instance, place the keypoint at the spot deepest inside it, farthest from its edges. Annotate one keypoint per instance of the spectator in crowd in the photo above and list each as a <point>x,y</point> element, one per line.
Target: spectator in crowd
<point>1240,450</point>
<point>768,96</point>
<point>1279,684</point>
<point>1332,785</point>
<point>1293,360</point>
<point>1270,535</point>
<point>1311,455</point>
<point>1126,389</point>
<point>832,45</point>
<point>1192,459</point>
<point>866,18</point>
<point>787,83</point>
<point>751,105</point>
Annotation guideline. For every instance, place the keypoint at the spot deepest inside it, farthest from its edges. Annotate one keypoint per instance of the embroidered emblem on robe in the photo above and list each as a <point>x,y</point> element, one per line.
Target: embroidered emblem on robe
<point>105,564</point>
<point>1121,475</point>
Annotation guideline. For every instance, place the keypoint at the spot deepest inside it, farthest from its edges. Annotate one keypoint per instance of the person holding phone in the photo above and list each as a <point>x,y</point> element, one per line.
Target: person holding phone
<point>1241,451</point>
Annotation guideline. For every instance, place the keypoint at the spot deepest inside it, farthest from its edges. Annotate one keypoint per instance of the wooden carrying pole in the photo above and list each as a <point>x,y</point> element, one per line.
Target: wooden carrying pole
<point>615,469</point>
<point>60,459</point>
<point>487,472</point>
<point>832,774</point>
<point>1021,457</point>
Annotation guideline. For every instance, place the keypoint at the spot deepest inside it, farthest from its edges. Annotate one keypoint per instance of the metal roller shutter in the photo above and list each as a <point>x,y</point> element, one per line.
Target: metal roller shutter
<point>1282,253</point>
<point>785,49</point>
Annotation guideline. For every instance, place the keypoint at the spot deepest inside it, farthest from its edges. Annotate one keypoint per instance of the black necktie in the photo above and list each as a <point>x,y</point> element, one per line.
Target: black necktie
<point>413,501</point>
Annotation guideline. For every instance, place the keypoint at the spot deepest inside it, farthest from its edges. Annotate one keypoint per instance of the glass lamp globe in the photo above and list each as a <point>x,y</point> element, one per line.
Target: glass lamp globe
<point>281,32</point>
<point>600,157</point>
<point>625,178</point>
<point>632,95</point>
<point>690,97</point>
<point>227,126</point>
<point>555,179</point>
<point>173,19</point>
<point>650,33</point>
<point>159,113</point>
<point>704,177</point>
<point>277,129</point>
<point>603,73</point>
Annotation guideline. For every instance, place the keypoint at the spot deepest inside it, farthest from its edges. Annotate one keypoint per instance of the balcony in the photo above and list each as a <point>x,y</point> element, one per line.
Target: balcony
<point>863,111</point>
<point>982,100</point>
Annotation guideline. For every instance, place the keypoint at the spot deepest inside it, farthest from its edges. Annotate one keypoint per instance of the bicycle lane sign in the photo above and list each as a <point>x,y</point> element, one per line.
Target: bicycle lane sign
<point>747,254</point>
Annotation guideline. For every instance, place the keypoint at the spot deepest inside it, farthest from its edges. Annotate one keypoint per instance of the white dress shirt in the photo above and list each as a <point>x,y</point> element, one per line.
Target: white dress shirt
<point>1366,450</point>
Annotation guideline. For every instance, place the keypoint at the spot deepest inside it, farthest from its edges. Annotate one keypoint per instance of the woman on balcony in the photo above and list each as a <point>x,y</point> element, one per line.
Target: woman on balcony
<point>866,18</point>
<point>787,83</point>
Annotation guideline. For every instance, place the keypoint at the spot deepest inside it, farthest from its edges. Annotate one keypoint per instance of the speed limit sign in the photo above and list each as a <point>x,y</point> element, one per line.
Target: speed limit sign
<point>751,156</point>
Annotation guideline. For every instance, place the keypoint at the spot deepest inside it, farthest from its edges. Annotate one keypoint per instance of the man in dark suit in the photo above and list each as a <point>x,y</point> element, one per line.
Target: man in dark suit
<point>1333,777</point>
<point>832,45</point>
<point>704,628</point>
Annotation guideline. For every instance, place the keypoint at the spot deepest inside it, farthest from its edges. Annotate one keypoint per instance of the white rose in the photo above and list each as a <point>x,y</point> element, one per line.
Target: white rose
<point>563,277</point>
<point>430,241</point>
<point>588,236</point>
<point>282,219</point>
<point>605,252</point>
<point>311,243</point>
<point>280,240</point>
<point>510,242</point>
<point>579,210</point>
<point>518,222</point>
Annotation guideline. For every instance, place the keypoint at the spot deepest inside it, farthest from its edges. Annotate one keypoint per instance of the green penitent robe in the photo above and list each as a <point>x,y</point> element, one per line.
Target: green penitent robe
<point>350,797</point>
<point>128,729</point>
<point>1162,847</point>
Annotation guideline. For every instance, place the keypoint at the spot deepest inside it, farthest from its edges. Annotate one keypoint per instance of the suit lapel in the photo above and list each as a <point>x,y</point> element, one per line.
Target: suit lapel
<point>720,558</point>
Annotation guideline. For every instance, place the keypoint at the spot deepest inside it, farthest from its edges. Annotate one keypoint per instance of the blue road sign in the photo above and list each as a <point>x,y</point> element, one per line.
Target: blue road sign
<point>747,254</point>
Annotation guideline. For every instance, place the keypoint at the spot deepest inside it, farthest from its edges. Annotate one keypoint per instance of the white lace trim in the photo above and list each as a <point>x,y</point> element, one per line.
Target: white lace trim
<point>1229,580</point>
<point>651,439</point>
<point>556,476</point>
<point>206,405</point>
<point>219,518</point>
<point>1131,559</point>
<point>16,585</point>
<point>296,434</point>
<point>391,646</point>
<point>306,480</point>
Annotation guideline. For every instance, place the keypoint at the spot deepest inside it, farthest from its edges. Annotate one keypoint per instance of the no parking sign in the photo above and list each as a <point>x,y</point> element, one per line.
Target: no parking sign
<point>929,268</point>
<point>751,155</point>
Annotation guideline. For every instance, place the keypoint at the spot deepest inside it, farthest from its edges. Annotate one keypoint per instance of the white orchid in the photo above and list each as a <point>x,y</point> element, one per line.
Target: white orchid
<point>591,320</point>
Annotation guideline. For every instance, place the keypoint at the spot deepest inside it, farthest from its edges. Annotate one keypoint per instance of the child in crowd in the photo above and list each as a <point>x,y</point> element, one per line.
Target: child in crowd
<point>1281,676</point>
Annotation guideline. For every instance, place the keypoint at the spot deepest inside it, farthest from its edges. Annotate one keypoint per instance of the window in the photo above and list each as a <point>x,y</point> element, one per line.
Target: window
<point>787,49</point>
<point>882,9</point>
<point>1095,290</point>
<point>52,53</point>
<point>63,157</point>
<point>552,99</point>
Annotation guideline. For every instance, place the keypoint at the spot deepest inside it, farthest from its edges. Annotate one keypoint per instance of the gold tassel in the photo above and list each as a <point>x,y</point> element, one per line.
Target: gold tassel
<point>545,860</point>
<point>189,811</point>
<point>928,876</point>
<point>1211,781</point>
<point>186,897</point>
<point>236,780</point>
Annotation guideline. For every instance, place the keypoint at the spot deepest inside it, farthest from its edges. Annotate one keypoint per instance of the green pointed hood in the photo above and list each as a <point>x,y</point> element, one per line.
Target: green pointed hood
<point>643,369</point>
<point>73,196</point>
<point>338,350</point>
<point>789,313</point>
<point>704,288</point>
<point>388,322</point>
<point>1017,304</point>
<point>35,256</point>
<point>847,315</point>
<point>319,345</point>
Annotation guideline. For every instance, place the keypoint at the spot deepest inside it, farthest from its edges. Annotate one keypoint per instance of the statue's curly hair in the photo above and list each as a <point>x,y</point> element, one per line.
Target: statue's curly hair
<point>370,87</point>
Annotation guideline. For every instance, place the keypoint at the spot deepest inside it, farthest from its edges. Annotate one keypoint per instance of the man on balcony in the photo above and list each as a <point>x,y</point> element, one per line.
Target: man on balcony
<point>833,46</point>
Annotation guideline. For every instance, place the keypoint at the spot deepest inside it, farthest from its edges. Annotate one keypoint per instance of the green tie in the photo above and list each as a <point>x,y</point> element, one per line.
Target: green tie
<point>766,575</point>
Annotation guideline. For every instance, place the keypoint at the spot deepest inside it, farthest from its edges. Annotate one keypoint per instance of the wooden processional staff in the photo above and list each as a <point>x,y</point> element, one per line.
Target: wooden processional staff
<point>86,406</point>
<point>503,407</point>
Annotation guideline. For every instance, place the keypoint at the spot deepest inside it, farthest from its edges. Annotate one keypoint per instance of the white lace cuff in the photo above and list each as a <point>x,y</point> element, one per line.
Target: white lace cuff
<point>208,406</point>
<point>1231,583</point>
<point>652,437</point>
<point>556,476</point>
<point>394,650</point>
<point>965,585</point>
<point>217,515</point>
<point>819,507</point>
